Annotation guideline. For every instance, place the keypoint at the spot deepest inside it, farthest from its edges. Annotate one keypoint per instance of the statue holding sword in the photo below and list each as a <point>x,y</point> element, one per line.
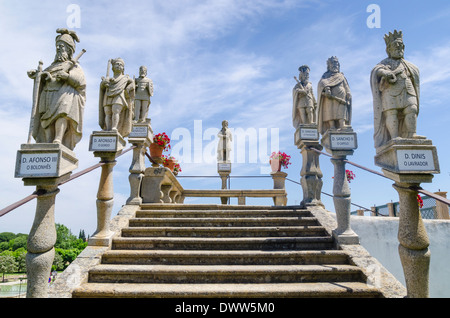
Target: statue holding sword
<point>59,95</point>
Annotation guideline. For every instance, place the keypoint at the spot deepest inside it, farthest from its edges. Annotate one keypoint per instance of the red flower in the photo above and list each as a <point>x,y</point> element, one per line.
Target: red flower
<point>350,175</point>
<point>162,140</point>
<point>419,201</point>
<point>284,158</point>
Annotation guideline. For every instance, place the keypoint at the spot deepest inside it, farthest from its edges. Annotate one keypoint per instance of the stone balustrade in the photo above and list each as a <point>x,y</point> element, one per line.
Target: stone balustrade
<point>159,185</point>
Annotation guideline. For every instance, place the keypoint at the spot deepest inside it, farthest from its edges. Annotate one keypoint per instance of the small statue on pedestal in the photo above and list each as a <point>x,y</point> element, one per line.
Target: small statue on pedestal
<point>116,104</point>
<point>334,99</point>
<point>304,102</point>
<point>224,147</point>
<point>144,90</point>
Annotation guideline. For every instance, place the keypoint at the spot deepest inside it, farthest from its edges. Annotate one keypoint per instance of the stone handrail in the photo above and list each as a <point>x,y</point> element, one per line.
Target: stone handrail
<point>159,185</point>
<point>279,195</point>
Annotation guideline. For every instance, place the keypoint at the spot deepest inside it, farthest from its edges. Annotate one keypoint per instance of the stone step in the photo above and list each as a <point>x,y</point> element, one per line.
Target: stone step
<point>268,221</point>
<point>275,243</point>
<point>220,213</point>
<point>281,231</point>
<point>281,290</point>
<point>224,274</point>
<point>180,257</point>
<point>215,207</point>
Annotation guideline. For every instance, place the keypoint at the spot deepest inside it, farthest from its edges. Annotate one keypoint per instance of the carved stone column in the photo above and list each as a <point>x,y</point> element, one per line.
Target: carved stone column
<point>141,137</point>
<point>340,144</point>
<point>41,241</point>
<point>44,166</point>
<point>342,202</point>
<point>414,242</point>
<point>105,204</point>
<point>410,162</point>
<point>107,145</point>
<point>224,170</point>
<point>306,139</point>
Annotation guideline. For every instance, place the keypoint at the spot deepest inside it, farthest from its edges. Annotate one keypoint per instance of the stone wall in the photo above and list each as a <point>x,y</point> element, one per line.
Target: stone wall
<point>379,236</point>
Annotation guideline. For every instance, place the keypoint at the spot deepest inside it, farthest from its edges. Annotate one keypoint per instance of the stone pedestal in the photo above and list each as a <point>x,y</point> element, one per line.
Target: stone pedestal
<point>340,144</point>
<point>141,137</point>
<point>107,145</point>
<point>224,170</point>
<point>44,166</point>
<point>279,182</point>
<point>44,161</point>
<point>410,162</point>
<point>307,139</point>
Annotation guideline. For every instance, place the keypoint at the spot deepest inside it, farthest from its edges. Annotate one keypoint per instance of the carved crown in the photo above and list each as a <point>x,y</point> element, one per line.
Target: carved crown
<point>392,37</point>
<point>332,59</point>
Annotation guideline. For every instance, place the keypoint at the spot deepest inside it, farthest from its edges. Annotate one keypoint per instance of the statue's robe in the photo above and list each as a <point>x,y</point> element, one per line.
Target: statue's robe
<point>144,88</point>
<point>121,91</point>
<point>305,101</point>
<point>408,87</point>
<point>329,108</point>
<point>61,98</point>
<point>225,139</point>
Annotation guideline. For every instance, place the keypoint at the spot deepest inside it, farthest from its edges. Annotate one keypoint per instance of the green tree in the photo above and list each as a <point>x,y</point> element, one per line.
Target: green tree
<point>19,242</point>
<point>64,237</point>
<point>6,236</point>
<point>58,263</point>
<point>20,256</point>
<point>4,246</point>
<point>8,264</point>
<point>81,235</point>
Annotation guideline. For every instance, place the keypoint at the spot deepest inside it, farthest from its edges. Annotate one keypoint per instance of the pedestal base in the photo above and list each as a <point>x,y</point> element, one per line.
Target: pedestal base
<point>408,157</point>
<point>306,133</point>
<point>105,143</point>
<point>346,238</point>
<point>44,161</point>
<point>340,142</point>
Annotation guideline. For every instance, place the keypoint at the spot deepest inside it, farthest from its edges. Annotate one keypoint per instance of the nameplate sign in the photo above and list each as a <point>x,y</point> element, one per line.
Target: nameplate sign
<point>308,134</point>
<point>343,141</point>
<point>44,161</point>
<point>139,132</point>
<point>39,164</point>
<point>224,167</point>
<point>415,160</point>
<point>103,143</point>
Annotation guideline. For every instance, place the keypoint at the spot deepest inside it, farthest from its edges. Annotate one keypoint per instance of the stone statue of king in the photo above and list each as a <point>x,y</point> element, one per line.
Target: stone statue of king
<point>395,88</point>
<point>60,96</point>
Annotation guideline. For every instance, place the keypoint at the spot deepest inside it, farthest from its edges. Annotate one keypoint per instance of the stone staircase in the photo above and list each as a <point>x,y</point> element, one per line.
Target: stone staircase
<point>224,251</point>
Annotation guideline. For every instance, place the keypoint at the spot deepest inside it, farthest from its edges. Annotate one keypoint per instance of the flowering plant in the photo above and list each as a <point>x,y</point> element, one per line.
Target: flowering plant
<point>162,140</point>
<point>284,158</point>
<point>166,158</point>
<point>350,175</point>
<point>419,201</point>
<point>176,169</point>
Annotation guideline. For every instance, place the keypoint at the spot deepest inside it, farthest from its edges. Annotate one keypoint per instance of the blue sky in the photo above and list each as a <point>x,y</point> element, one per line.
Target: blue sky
<point>216,60</point>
